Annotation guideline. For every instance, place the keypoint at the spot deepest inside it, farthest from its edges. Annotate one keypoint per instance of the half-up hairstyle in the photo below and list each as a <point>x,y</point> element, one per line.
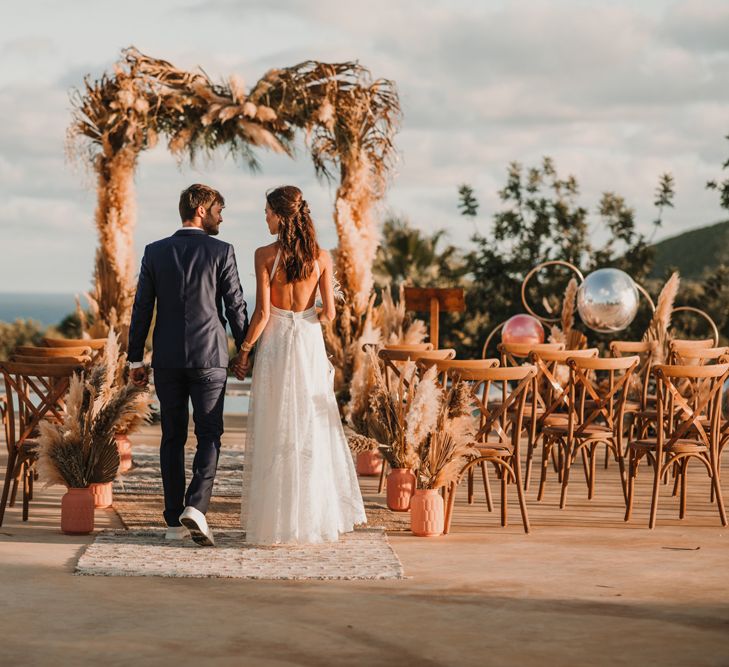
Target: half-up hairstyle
<point>296,233</point>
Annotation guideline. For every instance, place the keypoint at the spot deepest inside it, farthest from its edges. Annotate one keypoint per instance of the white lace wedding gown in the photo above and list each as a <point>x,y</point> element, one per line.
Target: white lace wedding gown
<point>299,481</point>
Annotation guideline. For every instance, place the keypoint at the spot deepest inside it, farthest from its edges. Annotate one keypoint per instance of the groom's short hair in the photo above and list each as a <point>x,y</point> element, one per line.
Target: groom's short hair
<point>198,195</point>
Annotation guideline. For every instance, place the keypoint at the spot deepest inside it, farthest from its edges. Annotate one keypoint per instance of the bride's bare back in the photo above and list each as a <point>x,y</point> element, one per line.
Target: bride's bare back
<point>295,296</point>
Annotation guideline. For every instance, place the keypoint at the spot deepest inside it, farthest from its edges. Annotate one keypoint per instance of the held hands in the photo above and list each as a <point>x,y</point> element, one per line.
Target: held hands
<point>139,376</point>
<point>241,365</point>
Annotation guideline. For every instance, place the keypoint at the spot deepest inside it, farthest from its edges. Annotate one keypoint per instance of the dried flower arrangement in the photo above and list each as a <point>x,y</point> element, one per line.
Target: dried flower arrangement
<point>420,425</point>
<point>82,450</point>
<point>386,322</point>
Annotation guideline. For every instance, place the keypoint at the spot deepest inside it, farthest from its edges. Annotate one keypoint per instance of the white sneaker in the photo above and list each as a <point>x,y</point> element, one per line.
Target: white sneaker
<point>194,520</point>
<point>176,533</point>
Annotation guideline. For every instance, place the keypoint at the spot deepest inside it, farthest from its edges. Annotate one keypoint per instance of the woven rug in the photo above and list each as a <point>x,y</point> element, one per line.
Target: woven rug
<point>145,510</point>
<point>145,476</point>
<point>363,554</point>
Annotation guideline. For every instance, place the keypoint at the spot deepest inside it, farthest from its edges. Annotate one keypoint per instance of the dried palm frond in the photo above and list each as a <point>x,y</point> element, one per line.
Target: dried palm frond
<point>660,322</point>
<point>350,122</point>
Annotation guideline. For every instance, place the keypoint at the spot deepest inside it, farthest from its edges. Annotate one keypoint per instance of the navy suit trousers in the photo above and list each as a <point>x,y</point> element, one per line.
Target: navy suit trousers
<point>176,387</point>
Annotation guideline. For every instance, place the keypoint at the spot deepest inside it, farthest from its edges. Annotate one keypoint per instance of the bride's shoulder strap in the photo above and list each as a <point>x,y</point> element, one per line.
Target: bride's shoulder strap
<point>275,264</point>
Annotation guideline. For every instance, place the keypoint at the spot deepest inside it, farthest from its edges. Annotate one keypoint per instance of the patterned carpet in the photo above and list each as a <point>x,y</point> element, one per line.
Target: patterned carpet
<point>364,554</point>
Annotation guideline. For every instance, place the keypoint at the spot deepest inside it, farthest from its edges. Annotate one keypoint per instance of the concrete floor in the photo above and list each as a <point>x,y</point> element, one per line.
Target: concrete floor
<point>582,588</point>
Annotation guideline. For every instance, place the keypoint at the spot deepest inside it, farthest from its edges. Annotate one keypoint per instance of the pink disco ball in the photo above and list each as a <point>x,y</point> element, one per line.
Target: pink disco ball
<point>522,329</point>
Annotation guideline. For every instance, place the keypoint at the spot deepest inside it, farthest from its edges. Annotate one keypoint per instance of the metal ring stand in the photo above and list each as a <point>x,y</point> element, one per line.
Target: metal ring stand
<point>706,316</point>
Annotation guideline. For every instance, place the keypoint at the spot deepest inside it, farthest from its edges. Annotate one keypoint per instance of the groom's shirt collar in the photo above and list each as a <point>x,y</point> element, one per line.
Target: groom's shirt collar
<point>191,229</point>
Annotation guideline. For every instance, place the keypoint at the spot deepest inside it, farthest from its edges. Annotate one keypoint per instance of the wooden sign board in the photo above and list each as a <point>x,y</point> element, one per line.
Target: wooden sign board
<point>433,300</point>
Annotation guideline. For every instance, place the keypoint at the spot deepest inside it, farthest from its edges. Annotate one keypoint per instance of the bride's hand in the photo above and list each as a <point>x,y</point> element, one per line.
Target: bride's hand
<point>240,365</point>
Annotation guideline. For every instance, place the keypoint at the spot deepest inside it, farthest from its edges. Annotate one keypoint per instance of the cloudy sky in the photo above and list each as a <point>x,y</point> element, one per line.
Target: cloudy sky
<point>616,92</point>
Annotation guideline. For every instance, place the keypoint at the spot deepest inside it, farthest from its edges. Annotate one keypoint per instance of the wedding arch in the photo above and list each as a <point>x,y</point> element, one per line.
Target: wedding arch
<point>349,122</point>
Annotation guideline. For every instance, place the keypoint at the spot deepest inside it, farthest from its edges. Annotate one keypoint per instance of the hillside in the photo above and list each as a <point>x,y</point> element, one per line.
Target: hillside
<point>693,252</point>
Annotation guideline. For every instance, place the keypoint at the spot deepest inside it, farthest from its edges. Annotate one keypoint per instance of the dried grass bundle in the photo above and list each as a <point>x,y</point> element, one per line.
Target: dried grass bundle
<point>82,450</point>
<point>449,444</point>
<point>660,322</point>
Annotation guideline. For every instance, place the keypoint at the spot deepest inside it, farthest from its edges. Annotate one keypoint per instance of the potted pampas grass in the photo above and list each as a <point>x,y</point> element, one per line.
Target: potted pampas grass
<point>445,446</point>
<point>425,433</point>
<point>386,322</point>
<point>81,453</point>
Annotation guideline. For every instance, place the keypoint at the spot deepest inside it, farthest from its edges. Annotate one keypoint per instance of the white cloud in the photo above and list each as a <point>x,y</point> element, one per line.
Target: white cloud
<point>616,92</point>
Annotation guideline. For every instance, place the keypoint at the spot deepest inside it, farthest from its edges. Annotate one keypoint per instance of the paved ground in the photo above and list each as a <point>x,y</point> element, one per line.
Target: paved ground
<point>582,588</point>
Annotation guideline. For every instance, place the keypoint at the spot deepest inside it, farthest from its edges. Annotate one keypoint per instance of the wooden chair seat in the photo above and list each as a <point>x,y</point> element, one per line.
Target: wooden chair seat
<point>563,429</point>
<point>681,446</point>
<point>493,448</point>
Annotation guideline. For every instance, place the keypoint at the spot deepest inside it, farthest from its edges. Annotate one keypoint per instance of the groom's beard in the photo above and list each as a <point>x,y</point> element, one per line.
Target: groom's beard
<point>211,227</point>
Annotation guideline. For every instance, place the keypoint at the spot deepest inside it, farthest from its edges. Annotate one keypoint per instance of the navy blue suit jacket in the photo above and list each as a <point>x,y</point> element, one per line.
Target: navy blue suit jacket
<point>192,277</point>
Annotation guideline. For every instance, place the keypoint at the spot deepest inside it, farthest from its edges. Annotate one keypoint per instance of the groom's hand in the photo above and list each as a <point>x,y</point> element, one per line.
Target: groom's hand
<point>139,376</point>
<point>240,365</point>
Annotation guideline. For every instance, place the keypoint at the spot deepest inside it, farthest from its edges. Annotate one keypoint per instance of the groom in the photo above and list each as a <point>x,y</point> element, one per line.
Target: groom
<point>191,276</point>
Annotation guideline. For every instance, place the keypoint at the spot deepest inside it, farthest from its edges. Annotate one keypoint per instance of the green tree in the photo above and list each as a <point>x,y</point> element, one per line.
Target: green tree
<point>410,256</point>
<point>542,219</point>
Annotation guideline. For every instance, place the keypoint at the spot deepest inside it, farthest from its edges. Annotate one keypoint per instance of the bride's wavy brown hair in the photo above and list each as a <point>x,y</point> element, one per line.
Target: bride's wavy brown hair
<point>296,233</point>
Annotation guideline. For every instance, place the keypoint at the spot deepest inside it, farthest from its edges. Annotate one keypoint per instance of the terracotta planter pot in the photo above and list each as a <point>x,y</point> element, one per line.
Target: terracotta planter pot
<point>102,494</point>
<point>400,488</point>
<point>369,464</point>
<point>426,513</point>
<point>77,512</point>
<point>124,446</point>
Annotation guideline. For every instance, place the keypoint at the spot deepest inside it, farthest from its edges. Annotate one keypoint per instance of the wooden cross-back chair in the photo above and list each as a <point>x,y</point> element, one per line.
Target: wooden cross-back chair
<point>596,396</point>
<point>516,354</point>
<point>679,346</point>
<point>552,387</point>
<point>69,360</point>
<point>500,425</point>
<point>394,359</point>
<point>687,427</point>
<point>33,392</point>
<point>641,401</point>
<point>97,345</point>
<point>49,352</point>
<point>443,368</point>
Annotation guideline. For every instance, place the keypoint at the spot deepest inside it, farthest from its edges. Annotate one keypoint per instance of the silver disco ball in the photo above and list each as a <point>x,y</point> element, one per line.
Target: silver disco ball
<point>607,300</point>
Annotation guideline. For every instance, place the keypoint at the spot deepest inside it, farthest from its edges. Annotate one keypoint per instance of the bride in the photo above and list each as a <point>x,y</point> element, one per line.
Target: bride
<point>299,482</point>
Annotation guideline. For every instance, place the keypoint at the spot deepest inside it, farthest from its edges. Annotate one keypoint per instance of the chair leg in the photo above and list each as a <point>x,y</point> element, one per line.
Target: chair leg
<point>12,456</point>
<point>593,461</point>
<point>487,487</point>
<point>528,469</point>
<point>470,486</point>
<point>630,481</point>
<point>26,489</point>
<point>654,497</point>
<point>546,451</point>
<point>621,467</point>
<point>565,478</point>
<point>683,474</point>
<point>717,493</point>
<point>449,507</point>
<point>382,477</point>
<point>521,493</point>
<point>504,479</point>
<point>607,453</point>
<point>585,466</point>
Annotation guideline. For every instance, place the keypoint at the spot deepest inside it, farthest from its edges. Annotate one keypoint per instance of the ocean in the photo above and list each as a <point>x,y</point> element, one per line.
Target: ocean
<point>47,309</point>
